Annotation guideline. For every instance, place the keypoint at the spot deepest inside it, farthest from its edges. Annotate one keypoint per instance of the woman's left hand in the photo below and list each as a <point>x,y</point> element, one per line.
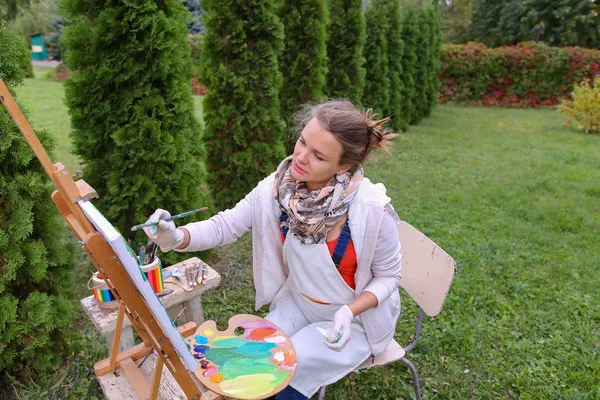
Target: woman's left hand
<point>341,324</point>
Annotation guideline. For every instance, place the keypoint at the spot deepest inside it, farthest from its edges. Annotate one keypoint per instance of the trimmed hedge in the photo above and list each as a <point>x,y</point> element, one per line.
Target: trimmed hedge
<point>526,75</point>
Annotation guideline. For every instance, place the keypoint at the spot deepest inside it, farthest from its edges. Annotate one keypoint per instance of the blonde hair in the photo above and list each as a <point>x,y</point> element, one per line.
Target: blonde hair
<point>357,130</point>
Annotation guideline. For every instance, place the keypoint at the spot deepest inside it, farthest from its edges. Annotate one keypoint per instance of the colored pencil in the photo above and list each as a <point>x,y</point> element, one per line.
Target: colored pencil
<point>171,218</point>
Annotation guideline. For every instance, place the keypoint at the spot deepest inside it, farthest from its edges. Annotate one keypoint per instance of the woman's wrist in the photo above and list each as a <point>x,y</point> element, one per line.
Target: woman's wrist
<point>186,239</point>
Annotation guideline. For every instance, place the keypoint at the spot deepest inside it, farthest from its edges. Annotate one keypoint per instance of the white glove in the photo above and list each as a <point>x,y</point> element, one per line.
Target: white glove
<point>165,234</point>
<point>341,324</point>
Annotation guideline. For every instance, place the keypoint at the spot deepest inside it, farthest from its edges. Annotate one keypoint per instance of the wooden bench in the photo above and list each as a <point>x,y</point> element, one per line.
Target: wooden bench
<point>105,320</point>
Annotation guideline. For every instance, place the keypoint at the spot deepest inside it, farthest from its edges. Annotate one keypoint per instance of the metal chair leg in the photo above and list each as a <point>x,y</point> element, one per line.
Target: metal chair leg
<point>415,377</point>
<point>322,392</point>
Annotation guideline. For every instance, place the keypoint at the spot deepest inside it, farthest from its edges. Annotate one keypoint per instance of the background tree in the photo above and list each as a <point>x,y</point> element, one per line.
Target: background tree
<point>555,22</point>
<point>346,72</point>
<point>377,81</point>
<point>244,128</point>
<point>131,107</point>
<point>36,280</point>
<point>194,24</point>
<point>304,59</point>
<point>395,71</point>
<point>456,18</point>
<point>56,47</point>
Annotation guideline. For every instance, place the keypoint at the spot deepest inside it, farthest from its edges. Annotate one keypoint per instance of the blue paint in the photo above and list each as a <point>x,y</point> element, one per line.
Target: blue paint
<point>229,342</point>
<point>201,339</point>
<point>256,350</point>
<point>201,349</point>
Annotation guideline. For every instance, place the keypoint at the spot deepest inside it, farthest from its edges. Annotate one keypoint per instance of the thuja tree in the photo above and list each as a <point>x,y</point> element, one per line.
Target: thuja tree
<point>410,33</point>
<point>131,107</point>
<point>423,66</point>
<point>243,126</point>
<point>377,82</point>
<point>36,260</point>
<point>346,72</point>
<point>395,71</point>
<point>304,59</point>
<point>435,40</point>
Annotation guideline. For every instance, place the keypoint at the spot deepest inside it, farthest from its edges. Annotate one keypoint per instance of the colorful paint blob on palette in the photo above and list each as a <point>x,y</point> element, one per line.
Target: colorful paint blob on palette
<point>248,366</point>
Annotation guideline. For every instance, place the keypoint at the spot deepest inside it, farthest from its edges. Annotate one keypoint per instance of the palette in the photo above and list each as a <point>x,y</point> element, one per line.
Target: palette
<point>251,359</point>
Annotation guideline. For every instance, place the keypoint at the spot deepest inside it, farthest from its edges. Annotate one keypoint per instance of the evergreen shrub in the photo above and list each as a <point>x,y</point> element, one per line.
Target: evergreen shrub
<point>304,59</point>
<point>346,71</point>
<point>395,71</point>
<point>377,81</point>
<point>132,109</point>
<point>36,258</point>
<point>526,75</point>
<point>584,106</point>
<point>243,126</point>
<point>410,33</point>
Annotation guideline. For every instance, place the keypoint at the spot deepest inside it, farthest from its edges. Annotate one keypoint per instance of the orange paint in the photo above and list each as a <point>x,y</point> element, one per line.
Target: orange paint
<point>216,378</point>
<point>289,359</point>
<point>259,334</point>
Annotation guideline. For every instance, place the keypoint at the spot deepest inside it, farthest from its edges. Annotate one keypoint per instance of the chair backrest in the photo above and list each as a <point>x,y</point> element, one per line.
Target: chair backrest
<point>427,270</point>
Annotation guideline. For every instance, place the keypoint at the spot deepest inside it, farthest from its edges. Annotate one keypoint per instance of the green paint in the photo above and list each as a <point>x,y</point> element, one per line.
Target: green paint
<point>239,367</point>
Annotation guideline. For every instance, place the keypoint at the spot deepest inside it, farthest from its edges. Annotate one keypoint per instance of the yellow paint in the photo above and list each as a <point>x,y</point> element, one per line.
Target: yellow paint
<point>249,386</point>
<point>222,337</point>
<point>216,378</point>
<point>209,332</point>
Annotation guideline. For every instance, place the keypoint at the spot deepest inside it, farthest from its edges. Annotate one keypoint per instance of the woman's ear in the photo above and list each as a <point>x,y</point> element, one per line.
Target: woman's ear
<point>343,169</point>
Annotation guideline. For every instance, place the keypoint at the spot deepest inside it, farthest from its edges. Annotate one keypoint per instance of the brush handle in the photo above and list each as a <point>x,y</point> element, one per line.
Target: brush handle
<point>171,218</point>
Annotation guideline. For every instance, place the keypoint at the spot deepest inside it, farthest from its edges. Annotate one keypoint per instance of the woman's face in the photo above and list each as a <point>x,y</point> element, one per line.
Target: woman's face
<point>316,156</point>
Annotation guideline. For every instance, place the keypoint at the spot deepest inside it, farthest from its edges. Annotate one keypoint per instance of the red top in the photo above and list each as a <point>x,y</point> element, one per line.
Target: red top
<point>348,264</point>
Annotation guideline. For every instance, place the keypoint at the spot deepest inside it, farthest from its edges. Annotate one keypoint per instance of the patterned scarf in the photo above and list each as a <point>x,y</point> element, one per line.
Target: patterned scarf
<point>312,214</point>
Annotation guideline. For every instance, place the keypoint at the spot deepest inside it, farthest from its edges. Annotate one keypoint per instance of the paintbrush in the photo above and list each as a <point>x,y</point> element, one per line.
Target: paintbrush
<point>171,218</point>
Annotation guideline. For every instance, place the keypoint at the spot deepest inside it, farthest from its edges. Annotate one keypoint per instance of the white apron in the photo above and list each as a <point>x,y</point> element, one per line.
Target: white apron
<point>313,275</point>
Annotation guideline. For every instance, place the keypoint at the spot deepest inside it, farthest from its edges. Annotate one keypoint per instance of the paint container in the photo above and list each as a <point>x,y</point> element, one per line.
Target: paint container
<point>153,274</point>
<point>106,300</point>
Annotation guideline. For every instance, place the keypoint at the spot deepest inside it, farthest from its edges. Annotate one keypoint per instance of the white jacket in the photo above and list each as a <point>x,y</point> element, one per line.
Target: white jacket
<point>374,226</point>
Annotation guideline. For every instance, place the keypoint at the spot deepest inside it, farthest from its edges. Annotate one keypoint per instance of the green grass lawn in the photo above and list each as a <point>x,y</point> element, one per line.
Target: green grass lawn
<point>514,197</point>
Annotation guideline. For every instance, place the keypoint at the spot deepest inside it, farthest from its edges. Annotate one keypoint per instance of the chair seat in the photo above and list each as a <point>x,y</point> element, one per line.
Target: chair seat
<point>392,353</point>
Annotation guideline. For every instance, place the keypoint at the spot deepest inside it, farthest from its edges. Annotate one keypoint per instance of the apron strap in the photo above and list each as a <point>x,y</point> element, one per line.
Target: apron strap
<point>284,229</point>
<point>342,244</point>
<point>340,247</point>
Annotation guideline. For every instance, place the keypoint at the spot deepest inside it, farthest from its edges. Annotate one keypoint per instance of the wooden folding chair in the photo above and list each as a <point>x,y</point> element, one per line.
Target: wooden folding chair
<point>427,273</point>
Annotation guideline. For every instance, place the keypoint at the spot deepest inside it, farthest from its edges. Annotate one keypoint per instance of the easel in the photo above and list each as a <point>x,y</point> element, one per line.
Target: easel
<point>131,303</point>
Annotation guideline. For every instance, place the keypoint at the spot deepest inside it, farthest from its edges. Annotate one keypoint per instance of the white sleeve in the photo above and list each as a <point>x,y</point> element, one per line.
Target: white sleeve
<point>224,228</point>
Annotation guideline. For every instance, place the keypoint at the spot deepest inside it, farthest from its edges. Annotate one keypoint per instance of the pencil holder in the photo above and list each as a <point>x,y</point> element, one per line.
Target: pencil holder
<point>102,293</point>
<point>153,273</point>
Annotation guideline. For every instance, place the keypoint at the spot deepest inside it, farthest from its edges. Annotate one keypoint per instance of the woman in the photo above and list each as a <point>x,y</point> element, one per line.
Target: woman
<point>325,245</point>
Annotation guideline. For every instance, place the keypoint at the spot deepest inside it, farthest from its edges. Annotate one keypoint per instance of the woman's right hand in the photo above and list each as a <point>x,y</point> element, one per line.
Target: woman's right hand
<point>164,233</point>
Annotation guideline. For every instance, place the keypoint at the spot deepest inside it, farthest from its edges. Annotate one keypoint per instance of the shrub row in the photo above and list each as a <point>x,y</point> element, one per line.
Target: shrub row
<point>526,75</point>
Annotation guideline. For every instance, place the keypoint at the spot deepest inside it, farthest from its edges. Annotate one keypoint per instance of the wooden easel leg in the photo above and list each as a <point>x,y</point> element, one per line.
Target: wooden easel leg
<point>117,337</point>
<point>156,378</point>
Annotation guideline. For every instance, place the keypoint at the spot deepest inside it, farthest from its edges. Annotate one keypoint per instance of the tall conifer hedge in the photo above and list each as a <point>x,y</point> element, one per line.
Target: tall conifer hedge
<point>346,72</point>
<point>131,107</point>
<point>304,59</point>
<point>395,54</point>
<point>409,60</point>
<point>423,66</point>
<point>36,261</point>
<point>243,125</point>
<point>377,82</point>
